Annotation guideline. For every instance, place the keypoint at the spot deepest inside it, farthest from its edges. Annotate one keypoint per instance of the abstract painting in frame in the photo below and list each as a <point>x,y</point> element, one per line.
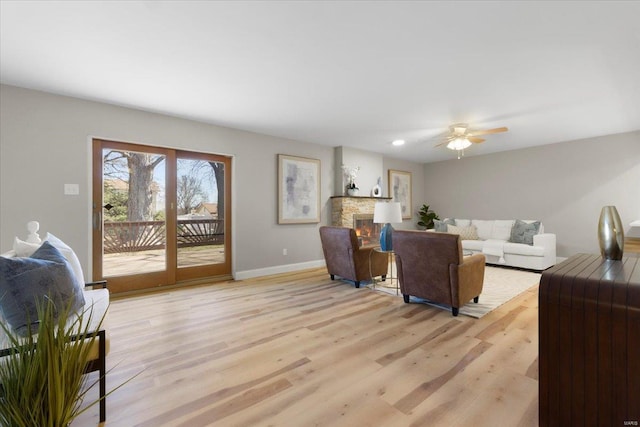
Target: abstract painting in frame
<point>298,190</point>
<point>400,190</point>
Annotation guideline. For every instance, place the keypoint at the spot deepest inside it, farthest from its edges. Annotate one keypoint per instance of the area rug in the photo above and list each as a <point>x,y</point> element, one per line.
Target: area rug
<point>500,286</point>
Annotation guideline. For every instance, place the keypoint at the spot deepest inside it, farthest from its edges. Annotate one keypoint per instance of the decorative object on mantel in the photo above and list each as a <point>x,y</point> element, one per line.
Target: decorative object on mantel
<point>400,190</point>
<point>376,191</point>
<point>610,233</point>
<point>427,217</point>
<point>298,190</point>
<point>386,213</point>
<point>351,174</point>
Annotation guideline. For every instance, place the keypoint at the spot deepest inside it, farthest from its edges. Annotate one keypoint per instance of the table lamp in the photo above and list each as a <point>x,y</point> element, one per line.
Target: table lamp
<point>386,213</point>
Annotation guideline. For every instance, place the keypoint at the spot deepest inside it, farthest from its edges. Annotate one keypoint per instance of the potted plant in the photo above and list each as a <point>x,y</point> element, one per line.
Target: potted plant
<point>42,373</point>
<point>427,216</point>
<point>351,175</point>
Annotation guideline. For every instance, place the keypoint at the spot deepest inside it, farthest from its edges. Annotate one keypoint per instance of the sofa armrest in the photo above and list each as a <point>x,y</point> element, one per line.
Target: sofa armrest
<point>548,242</point>
<point>544,240</point>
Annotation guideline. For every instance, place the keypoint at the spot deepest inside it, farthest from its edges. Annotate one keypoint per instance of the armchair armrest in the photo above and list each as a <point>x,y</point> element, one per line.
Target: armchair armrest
<point>467,279</point>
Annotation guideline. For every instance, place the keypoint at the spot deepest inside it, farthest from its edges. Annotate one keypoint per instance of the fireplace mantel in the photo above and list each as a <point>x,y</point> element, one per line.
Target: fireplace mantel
<point>361,197</point>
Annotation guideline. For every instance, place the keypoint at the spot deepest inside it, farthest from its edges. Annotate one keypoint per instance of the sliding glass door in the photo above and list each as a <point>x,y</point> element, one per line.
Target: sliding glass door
<point>160,216</point>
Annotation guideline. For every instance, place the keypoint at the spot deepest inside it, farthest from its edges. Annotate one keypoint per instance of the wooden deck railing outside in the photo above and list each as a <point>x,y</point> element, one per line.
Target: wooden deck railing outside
<point>138,236</point>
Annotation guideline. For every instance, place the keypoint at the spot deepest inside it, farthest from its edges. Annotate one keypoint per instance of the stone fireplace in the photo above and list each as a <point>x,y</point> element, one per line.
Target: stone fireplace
<point>357,213</point>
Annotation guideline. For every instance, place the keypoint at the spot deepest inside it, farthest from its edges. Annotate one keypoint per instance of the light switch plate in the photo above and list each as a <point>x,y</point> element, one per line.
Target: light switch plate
<point>71,189</point>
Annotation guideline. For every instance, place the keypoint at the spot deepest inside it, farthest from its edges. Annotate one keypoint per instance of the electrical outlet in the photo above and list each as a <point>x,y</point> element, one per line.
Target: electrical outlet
<point>71,189</point>
<point>284,251</point>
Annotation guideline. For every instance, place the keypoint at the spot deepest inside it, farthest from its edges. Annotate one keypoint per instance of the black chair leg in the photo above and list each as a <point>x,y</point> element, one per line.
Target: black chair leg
<point>357,283</point>
<point>454,311</point>
<point>333,277</point>
<point>384,277</point>
<point>406,298</point>
<point>102,355</point>
<point>476,299</point>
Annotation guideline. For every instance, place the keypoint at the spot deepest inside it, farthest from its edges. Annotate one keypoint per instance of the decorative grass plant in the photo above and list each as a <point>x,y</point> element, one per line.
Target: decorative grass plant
<point>42,379</point>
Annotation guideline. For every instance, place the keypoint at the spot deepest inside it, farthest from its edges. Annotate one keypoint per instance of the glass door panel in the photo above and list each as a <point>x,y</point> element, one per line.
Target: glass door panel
<point>134,228</point>
<point>200,231</point>
<point>202,239</point>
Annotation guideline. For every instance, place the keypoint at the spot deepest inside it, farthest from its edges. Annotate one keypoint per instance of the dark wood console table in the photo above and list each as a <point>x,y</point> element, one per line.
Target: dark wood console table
<point>589,342</point>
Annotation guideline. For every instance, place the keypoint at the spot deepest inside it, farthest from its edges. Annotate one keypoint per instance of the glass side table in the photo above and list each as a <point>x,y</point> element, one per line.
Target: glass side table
<point>391,281</point>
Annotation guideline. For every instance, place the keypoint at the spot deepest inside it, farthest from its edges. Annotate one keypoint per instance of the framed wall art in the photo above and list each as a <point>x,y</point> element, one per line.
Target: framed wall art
<point>400,191</point>
<point>298,190</point>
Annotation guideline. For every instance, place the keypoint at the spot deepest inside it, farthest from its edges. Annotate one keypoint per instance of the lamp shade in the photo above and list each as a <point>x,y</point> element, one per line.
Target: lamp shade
<point>384,213</point>
<point>459,144</point>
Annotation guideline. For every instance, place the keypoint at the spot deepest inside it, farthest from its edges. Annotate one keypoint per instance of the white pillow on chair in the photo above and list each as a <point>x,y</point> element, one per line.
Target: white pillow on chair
<point>69,254</point>
<point>26,249</point>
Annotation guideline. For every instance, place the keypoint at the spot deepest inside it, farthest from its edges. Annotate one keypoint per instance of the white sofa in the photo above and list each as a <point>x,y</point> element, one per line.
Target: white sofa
<point>495,241</point>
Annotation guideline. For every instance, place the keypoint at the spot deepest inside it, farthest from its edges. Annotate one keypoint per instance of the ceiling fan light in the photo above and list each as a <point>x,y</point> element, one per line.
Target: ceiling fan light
<point>459,144</point>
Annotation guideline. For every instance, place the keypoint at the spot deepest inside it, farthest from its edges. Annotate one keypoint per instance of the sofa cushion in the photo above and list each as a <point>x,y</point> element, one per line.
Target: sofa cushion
<point>472,245</point>
<point>26,281</point>
<point>484,228</point>
<point>501,229</point>
<point>466,233</point>
<point>523,232</point>
<point>441,226</point>
<point>523,249</point>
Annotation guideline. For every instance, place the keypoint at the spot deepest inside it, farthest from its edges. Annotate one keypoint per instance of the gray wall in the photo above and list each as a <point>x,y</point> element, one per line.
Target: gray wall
<point>44,143</point>
<point>565,185</point>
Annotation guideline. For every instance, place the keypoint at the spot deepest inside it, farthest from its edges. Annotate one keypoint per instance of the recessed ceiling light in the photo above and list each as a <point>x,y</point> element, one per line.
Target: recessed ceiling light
<point>398,142</point>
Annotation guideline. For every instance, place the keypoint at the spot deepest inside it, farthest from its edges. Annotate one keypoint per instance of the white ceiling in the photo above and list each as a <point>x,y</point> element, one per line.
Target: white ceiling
<point>357,74</point>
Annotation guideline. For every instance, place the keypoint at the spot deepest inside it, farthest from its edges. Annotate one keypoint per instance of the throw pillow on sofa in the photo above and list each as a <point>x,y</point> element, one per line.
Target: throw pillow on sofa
<point>466,233</point>
<point>441,226</point>
<point>523,232</point>
<point>24,282</point>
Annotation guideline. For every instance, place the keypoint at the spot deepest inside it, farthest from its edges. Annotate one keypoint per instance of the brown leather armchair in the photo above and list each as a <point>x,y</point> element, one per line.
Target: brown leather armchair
<point>346,259</point>
<point>431,266</point>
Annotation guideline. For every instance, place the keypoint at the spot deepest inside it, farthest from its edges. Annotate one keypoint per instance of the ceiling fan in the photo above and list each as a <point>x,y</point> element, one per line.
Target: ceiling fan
<point>461,137</point>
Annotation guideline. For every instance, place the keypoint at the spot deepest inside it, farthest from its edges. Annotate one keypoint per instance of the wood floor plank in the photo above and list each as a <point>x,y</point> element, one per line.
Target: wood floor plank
<point>300,349</point>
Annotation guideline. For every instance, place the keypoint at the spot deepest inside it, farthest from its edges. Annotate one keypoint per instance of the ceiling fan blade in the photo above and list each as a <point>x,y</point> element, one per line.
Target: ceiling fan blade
<point>441,144</point>
<point>488,131</point>
<point>475,139</point>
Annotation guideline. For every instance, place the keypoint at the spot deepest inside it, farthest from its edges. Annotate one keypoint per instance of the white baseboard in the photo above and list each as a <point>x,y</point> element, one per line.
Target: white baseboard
<point>288,268</point>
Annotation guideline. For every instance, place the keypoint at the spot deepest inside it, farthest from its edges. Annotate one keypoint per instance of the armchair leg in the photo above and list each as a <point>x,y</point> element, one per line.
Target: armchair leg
<point>357,283</point>
<point>454,311</point>
<point>406,298</point>
<point>476,299</point>
<point>333,277</point>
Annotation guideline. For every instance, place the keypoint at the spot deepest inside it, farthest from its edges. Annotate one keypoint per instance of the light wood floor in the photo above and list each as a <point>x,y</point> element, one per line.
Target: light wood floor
<point>301,350</point>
